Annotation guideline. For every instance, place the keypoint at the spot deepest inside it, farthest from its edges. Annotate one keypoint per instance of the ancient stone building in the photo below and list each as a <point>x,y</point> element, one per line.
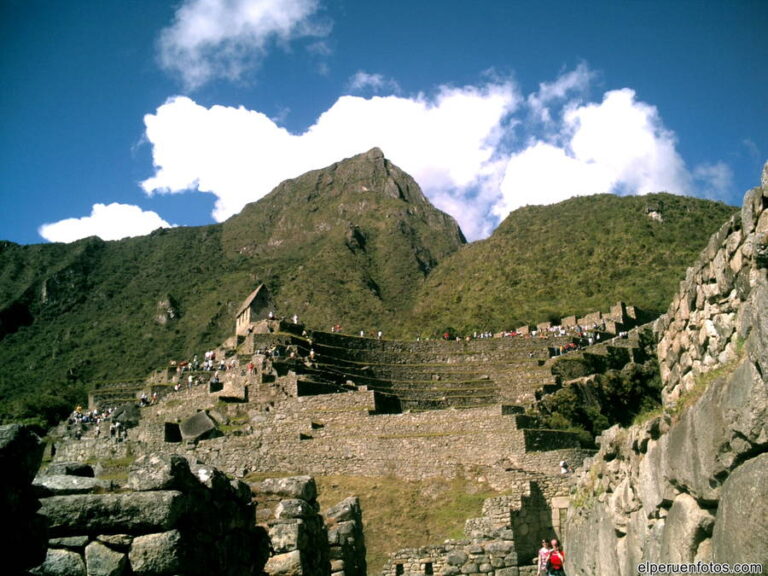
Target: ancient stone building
<point>254,308</point>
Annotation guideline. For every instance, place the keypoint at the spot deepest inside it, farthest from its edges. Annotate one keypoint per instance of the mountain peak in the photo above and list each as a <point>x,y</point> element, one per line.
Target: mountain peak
<point>375,153</point>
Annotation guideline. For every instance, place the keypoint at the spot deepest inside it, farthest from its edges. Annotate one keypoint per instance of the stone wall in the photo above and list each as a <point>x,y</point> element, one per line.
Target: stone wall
<point>170,518</point>
<point>690,485</point>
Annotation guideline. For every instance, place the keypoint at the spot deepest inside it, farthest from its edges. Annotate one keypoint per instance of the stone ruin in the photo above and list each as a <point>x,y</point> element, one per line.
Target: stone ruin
<point>365,407</point>
<point>169,517</point>
<point>324,403</point>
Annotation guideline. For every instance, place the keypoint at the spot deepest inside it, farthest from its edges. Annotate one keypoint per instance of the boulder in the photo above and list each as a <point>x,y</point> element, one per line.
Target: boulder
<point>160,472</point>
<point>294,508</point>
<point>687,525</point>
<point>347,509</point>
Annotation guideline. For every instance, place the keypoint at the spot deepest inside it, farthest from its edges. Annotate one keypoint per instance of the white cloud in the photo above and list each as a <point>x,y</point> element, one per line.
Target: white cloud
<point>107,221</point>
<point>576,81</point>
<point>224,38</point>
<point>447,143</point>
<point>376,83</point>
<point>619,145</point>
<point>478,152</point>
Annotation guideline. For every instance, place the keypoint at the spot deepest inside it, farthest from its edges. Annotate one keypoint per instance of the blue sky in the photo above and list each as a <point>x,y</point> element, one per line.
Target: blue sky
<point>120,116</point>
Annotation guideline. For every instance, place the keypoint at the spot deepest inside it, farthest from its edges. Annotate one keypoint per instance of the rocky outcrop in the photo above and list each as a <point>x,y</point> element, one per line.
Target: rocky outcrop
<point>690,484</point>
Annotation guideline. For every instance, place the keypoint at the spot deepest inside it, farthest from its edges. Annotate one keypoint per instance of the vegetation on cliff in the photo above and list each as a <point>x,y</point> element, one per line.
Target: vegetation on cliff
<point>583,254</point>
<point>608,398</point>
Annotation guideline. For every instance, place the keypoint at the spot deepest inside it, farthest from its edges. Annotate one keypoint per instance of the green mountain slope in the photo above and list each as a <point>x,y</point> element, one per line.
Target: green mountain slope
<point>355,244</point>
<point>575,257</point>
<point>349,244</point>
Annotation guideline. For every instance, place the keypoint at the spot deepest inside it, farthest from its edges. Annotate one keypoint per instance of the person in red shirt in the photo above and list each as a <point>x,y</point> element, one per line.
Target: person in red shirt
<point>556,559</point>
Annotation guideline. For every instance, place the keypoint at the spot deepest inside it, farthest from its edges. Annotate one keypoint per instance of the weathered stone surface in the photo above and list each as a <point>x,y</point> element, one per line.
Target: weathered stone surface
<point>347,509</point>
<point>658,491</point>
<point>301,487</point>
<point>159,472</point>
<point>687,525</point>
<point>100,560</point>
<point>157,554</point>
<point>741,516</point>
<point>61,563</point>
<point>288,536</point>
<point>48,485</point>
<point>294,508</point>
<point>197,427</point>
<point>134,512</point>
<point>288,564</point>
<point>71,542</point>
<point>116,541</point>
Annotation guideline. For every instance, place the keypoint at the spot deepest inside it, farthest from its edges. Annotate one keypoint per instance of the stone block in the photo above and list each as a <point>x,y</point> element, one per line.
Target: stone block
<point>100,560</point>
<point>49,485</point>
<point>288,564</point>
<point>71,542</point>
<point>157,554</point>
<point>197,427</point>
<point>133,512</point>
<point>302,487</point>
<point>687,525</point>
<point>288,536</point>
<point>347,509</point>
<point>294,508</point>
<point>740,519</point>
<point>59,561</point>
<point>160,472</point>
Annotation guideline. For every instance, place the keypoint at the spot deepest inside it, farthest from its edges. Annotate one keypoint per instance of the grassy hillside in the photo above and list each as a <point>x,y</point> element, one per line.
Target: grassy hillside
<point>356,244</point>
<point>349,244</point>
<point>575,257</point>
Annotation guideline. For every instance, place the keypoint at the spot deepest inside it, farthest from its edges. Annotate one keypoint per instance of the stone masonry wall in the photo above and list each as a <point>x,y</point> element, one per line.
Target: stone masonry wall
<point>170,518</point>
<point>691,485</point>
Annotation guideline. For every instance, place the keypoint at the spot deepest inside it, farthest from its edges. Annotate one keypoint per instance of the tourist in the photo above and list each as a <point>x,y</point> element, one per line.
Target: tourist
<point>542,558</point>
<point>555,560</point>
